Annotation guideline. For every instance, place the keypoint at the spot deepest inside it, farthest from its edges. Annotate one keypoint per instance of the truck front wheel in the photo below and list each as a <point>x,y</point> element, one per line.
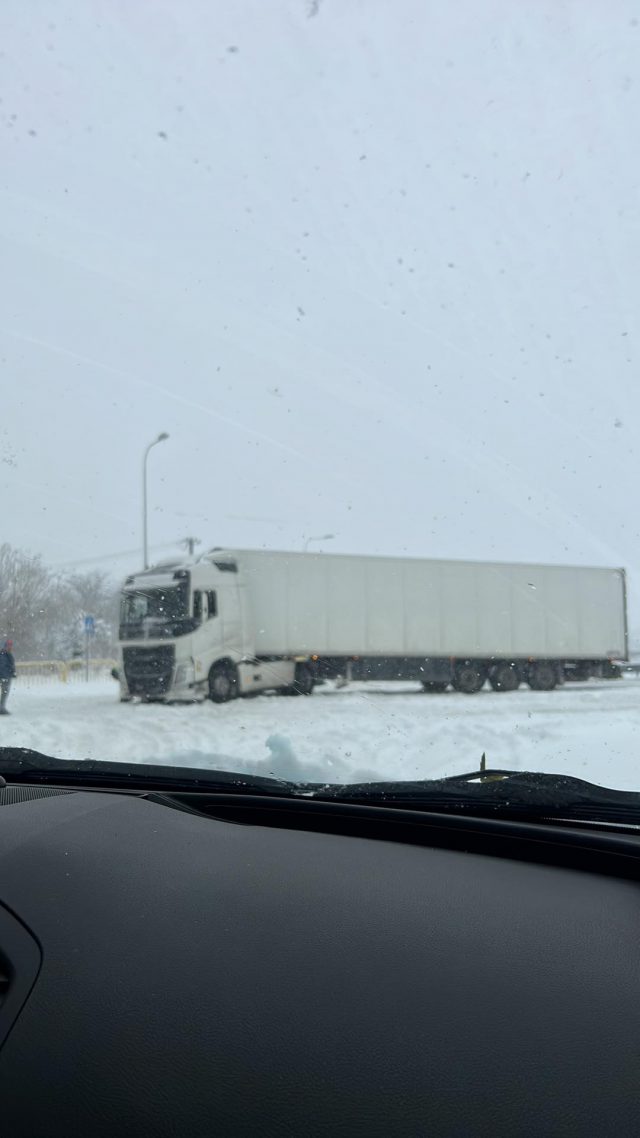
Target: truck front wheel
<point>542,676</point>
<point>223,683</point>
<point>469,676</point>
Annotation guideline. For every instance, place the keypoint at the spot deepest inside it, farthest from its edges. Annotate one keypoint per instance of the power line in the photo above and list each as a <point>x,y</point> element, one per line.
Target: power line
<point>108,556</point>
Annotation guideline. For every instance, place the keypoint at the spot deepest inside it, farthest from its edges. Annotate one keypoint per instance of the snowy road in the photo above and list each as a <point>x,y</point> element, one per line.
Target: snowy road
<point>380,731</point>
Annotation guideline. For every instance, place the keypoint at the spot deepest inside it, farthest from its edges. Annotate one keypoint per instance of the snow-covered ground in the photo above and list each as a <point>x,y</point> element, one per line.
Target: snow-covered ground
<point>379,731</point>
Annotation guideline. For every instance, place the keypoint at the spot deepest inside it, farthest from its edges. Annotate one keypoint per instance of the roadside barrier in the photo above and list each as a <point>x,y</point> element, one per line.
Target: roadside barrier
<point>62,671</point>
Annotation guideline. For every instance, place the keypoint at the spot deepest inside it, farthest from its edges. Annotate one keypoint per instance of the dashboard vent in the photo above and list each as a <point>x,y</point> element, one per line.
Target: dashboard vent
<point>10,795</point>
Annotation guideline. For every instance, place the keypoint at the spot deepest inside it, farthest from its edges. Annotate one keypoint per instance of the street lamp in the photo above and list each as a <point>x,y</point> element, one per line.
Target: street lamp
<point>160,439</point>
<point>322,537</point>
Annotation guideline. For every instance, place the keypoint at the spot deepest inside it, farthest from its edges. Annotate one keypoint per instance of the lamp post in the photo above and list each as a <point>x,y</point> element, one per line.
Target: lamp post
<point>322,537</point>
<point>145,551</point>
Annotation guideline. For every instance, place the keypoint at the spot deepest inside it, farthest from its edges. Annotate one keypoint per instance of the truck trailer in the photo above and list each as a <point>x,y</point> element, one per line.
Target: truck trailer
<point>235,622</point>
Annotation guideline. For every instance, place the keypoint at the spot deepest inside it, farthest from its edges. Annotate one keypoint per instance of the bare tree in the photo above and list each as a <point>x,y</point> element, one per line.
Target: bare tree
<point>43,613</point>
<point>93,594</point>
<point>26,601</point>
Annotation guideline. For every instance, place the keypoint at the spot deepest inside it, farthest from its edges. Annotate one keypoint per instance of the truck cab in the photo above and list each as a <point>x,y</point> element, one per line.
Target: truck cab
<point>186,633</point>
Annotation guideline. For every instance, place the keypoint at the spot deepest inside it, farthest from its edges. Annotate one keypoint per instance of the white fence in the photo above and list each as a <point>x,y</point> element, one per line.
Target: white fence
<point>62,671</point>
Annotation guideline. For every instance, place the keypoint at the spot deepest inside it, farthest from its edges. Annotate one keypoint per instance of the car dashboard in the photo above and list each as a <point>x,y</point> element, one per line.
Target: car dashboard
<point>190,965</point>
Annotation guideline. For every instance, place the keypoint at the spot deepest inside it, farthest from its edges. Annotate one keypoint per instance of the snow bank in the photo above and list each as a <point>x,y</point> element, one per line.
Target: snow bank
<point>382,731</point>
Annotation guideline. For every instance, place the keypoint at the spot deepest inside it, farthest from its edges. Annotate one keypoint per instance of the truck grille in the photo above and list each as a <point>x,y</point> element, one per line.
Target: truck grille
<point>148,671</point>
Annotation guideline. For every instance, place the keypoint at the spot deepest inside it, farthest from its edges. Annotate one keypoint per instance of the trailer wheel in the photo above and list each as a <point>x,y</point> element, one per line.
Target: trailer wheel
<point>303,681</point>
<point>469,676</point>
<point>435,687</point>
<point>223,683</point>
<point>542,676</point>
<point>504,677</point>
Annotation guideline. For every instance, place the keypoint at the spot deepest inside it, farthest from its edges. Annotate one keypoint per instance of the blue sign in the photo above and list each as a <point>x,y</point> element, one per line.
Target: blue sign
<point>90,625</point>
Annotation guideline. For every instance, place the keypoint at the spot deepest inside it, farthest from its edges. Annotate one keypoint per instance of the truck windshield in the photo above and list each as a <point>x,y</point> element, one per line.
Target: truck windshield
<point>164,604</point>
<point>165,609</point>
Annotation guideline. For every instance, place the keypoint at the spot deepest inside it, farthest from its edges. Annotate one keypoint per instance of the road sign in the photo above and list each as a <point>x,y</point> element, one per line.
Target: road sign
<point>89,631</point>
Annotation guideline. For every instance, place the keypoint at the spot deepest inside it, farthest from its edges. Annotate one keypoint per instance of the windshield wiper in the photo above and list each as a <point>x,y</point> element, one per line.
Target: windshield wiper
<point>524,795</point>
<point>22,765</point>
<point>504,793</point>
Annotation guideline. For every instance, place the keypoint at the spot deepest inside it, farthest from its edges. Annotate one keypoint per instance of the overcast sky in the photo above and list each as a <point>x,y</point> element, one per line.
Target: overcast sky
<point>373,264</point>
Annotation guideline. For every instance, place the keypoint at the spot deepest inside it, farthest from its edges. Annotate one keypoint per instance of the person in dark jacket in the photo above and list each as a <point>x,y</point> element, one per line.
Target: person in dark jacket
<point>7,674</point>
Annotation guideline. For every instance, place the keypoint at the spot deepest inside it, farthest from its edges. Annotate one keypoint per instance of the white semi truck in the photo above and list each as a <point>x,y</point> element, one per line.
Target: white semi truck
<point>236,622</point>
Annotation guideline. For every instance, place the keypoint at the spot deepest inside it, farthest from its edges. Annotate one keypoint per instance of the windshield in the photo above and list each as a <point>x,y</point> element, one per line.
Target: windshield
<point>166,604</point>
<point>324,312</point>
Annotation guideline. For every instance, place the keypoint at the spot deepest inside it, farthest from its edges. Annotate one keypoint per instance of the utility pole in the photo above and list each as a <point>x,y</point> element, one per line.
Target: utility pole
<point>145,551</point>
<point>190,544</point>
